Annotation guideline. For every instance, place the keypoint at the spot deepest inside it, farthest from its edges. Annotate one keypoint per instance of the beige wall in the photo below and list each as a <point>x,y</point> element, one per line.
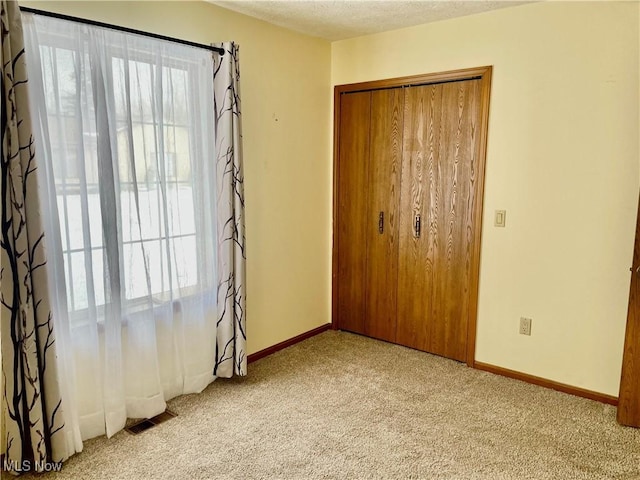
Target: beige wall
<point>562,160</point>
<point>286,111</point>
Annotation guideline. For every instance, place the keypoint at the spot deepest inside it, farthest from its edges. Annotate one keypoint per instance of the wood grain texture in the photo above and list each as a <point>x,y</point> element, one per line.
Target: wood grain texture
<point>629,396</point>
<point>543,382</point>
<point>385,162</point>
<point>481,135</point>
<point>335,214</point>
<point>438,184</point>
<point>483,74</point>
<point>458,167</point>
<point>417,255</point>
<point>287,343</point>
<point>352,204</point>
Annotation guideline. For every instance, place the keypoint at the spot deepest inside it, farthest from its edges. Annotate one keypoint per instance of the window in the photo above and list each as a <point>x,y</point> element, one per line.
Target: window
<point>129,132</point>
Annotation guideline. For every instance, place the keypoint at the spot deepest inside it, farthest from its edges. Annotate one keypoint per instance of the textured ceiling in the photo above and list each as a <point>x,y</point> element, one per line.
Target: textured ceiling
<point>340,19</point>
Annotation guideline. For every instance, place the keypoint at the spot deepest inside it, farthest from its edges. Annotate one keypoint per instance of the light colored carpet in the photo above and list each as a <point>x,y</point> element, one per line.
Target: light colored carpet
<point>344,406</point>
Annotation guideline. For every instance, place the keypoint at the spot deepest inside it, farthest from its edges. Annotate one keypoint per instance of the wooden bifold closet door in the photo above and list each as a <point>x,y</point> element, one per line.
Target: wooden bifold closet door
<point>437,216</point>
<point>351,201</point>
<point>408,195</point>
<point>368,201</point>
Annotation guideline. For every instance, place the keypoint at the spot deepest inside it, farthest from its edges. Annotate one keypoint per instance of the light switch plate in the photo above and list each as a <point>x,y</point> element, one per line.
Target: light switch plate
<point>500,218</point>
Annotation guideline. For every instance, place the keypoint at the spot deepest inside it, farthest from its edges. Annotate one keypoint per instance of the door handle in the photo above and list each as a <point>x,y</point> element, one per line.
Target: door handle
<point>417,226</point>
<point>381,222</point>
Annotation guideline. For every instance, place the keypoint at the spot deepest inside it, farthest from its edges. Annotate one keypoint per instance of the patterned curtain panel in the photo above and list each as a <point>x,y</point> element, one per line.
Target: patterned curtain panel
<point>231,335</point>
<point>32,415</point>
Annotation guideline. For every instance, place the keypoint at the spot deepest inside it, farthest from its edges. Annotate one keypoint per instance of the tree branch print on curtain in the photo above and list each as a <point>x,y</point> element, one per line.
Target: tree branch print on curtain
<point>31,402</point>
<point>231,358</point>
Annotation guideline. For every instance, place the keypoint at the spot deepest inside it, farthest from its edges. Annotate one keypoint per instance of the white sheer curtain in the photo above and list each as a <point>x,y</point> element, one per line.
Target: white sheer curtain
<point>125,124</point>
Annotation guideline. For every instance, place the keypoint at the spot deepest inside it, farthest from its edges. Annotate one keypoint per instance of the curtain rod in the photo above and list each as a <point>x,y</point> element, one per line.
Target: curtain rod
<point>120,29</point>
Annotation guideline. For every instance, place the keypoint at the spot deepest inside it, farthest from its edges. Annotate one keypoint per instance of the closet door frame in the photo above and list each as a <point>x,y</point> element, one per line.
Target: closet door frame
<point>480,73</point>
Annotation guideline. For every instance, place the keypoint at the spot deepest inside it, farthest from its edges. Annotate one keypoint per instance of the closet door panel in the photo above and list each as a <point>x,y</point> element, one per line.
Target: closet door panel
<point>457,165</point>
<point>438,185</point>
<point>382,217</point>
<point>352,205</point>
<point>419,197</point>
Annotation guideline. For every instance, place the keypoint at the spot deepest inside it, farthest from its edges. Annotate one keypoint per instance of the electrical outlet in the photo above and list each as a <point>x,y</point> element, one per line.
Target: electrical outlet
<point>525,326</point>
